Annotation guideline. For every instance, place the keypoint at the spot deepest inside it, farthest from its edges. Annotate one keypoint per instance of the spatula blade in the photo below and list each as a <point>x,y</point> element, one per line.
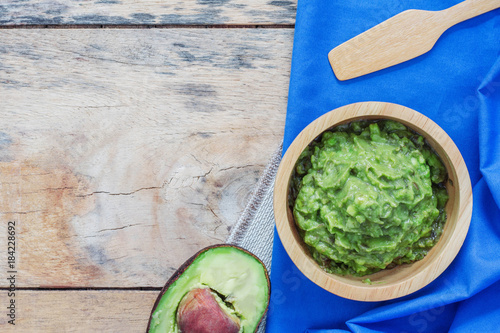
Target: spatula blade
<point>400,38</point>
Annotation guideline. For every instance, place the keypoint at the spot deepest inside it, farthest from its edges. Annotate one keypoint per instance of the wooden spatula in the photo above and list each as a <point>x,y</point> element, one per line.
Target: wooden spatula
<point>400,38</point>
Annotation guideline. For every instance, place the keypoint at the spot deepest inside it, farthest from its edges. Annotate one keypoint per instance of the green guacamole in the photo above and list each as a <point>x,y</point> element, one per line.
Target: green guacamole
<point>367,196</point>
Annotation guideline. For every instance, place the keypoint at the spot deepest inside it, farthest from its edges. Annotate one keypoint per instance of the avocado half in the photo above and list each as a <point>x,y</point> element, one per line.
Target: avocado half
<point>222,288</point>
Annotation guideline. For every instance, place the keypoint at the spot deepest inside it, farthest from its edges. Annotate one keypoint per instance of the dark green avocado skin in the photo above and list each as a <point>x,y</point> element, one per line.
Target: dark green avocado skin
<point>180,271</point>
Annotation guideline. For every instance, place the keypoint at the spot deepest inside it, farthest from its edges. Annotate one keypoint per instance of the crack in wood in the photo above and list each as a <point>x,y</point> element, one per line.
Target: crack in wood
<point>54,288</point>
<point>121,193</point>
<point>119,228</point>
<point>204,175</point>
<point>238,167</point>
<point>149,26</point>
<point>216,216</point>
<point>26,212</point>
<point>52,189</point>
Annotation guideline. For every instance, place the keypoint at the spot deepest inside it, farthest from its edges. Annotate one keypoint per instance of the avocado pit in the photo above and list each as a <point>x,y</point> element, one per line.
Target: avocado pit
<point>200,312</point>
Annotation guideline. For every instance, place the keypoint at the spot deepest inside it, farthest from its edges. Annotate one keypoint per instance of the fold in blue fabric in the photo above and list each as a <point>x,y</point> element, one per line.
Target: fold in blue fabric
<point>456,84</point>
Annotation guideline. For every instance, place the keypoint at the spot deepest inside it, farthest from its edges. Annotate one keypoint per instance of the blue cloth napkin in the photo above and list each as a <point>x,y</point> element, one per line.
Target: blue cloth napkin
<point>456,84</point>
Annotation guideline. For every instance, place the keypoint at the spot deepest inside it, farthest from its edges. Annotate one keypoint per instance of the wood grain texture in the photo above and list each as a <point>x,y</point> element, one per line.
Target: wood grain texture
<point>80,311</point>
<point>151,12</point>
<point>404,279</point>
<point>123,152</point>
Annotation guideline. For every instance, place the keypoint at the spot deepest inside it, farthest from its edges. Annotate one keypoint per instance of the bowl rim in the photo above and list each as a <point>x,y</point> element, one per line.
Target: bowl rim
<point>423,273</point>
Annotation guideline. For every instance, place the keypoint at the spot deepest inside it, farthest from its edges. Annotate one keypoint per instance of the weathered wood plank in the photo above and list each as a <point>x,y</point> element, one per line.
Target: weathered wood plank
<point>22,12</point>
<point>79,311</point>
<point>123,152</point>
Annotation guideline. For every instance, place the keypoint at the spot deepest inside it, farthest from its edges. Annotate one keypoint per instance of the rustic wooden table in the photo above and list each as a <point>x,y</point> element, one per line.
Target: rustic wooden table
<point>132,134</point>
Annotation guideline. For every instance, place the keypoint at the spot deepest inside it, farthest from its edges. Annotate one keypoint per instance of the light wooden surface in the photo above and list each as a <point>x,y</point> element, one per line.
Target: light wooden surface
<point>124,151</point>
<point>400,38</point>
<point>404,279</point>
<point>81,311</point>
<point>149,12</point>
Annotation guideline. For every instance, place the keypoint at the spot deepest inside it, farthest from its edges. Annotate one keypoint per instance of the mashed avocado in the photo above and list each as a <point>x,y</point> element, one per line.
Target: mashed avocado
<point>367,196</point>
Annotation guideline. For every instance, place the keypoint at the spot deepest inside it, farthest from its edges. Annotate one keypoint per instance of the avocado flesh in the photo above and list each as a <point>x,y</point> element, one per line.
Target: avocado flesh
<point>227,270</point>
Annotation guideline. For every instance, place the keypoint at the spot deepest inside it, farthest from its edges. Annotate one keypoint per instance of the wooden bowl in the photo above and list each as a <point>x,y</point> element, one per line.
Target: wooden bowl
<point>403,279</point>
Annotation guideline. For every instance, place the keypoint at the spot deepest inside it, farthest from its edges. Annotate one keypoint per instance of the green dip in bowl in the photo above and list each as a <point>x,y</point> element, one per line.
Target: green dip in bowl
<point>368,195</point>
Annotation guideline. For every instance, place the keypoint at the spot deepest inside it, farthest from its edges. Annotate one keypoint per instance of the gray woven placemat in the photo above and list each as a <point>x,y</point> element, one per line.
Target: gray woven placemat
<point>254,231</point>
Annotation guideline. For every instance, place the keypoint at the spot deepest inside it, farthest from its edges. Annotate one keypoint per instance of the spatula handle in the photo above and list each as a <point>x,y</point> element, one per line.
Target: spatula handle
<point>469,9</point>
